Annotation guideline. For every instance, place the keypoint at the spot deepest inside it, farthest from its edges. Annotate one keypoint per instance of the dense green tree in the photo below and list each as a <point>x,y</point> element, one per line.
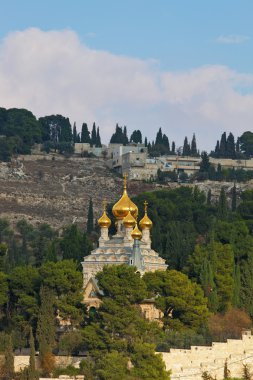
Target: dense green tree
<point>56,128</point>
<point>136,137</point>
<point>5,149</point>
<point>24,284</point>
<point>188,308</point>
<point>204,164</point>
<point>246,142</point>
<point>65,281</point>
<point>122,283</point>
<point>119,136</point>
<point>180,243</point>
<point>221,259</point>
<point>72,243</point>
<point>85,134</point>
<point>146,365</point>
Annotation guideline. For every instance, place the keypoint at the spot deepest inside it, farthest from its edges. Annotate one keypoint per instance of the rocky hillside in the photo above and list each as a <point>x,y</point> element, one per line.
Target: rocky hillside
<point>56,190</point>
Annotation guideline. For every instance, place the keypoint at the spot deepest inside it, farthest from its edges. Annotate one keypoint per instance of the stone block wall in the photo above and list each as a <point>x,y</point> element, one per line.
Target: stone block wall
<point>190,364</point>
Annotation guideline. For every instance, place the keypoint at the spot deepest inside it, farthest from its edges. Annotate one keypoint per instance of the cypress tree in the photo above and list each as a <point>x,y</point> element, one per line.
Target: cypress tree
<point>93,135</point>
<point>166,143</point>
<point>246,289</point>
<point>159,137</point>
<point>237,286</point>
<point>194,151</point>
<point>173,246</point>
<point>217,149</point>
<point>222,205</point>
<point>209,197</point>
<point>125,138</point>
<point>230,146</point>
<point>85,134</point>
<point>223,145</point>
<point>78,140</point>
<point>173,147</point>
<point>46,325</point>
<point>8,367</point>
<point>74,133</point>
<point>90,218</point>
<point>208,285</point>
<point>98,140</point>
<point>238,145</point>
<point>32,373</point>
<point>186,147</point>
<point>146,142</point>
<point>234,199</point>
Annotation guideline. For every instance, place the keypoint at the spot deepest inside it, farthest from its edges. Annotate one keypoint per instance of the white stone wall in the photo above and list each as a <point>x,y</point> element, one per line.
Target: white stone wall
<point>190,364</point>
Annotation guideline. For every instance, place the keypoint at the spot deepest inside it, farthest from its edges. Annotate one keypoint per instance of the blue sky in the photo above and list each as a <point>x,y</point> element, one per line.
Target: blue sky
<point>195,42</point>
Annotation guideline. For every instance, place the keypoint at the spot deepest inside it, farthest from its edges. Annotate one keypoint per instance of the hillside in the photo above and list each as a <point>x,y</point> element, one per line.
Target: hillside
<point>57,191</point>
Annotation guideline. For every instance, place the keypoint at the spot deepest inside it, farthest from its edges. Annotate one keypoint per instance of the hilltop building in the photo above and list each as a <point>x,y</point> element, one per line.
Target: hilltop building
<point>128,246</point>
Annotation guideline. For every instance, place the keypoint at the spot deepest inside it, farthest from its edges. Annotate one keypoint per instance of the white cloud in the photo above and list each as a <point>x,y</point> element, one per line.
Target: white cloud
<point>233,39</point>
<point>53,72</point>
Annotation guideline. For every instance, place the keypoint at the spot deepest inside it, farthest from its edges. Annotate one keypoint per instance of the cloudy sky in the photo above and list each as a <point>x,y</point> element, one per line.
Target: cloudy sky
<point>183,65</point>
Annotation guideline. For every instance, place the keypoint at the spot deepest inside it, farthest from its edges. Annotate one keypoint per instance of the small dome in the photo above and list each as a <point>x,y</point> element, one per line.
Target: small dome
<point>124,205</point>
<point>129,221</point>
<point>145,222</point>
<point>104,221</point>
<point>136,234</point>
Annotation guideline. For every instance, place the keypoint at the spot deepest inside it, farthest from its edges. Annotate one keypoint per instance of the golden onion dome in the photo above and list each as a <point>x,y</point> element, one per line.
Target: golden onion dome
<point>136,234</point>
<point>104,221</point>
<point>129,221</point>
<point>145,222</point>
<point>124,205</point>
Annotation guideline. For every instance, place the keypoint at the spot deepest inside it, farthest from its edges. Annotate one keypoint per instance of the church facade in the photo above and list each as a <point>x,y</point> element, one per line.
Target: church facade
<point>128,246</point>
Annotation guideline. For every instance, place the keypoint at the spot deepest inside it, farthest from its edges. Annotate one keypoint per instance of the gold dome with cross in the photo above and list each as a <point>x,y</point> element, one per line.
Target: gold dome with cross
<point>124,205</point>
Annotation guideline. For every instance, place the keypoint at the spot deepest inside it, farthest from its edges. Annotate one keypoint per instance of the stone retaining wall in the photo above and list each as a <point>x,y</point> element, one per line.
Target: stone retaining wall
<point>190,364</point>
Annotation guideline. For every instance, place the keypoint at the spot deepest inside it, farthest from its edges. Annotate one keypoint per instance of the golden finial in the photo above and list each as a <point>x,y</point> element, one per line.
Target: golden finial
<point>136,234</point>
<point>104,221</point>
<point>145,222</point>
<point>104,203</point>
<point>125,180</point>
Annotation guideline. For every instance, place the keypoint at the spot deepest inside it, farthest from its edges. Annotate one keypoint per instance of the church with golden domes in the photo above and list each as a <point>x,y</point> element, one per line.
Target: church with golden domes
<point>128,246</point>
